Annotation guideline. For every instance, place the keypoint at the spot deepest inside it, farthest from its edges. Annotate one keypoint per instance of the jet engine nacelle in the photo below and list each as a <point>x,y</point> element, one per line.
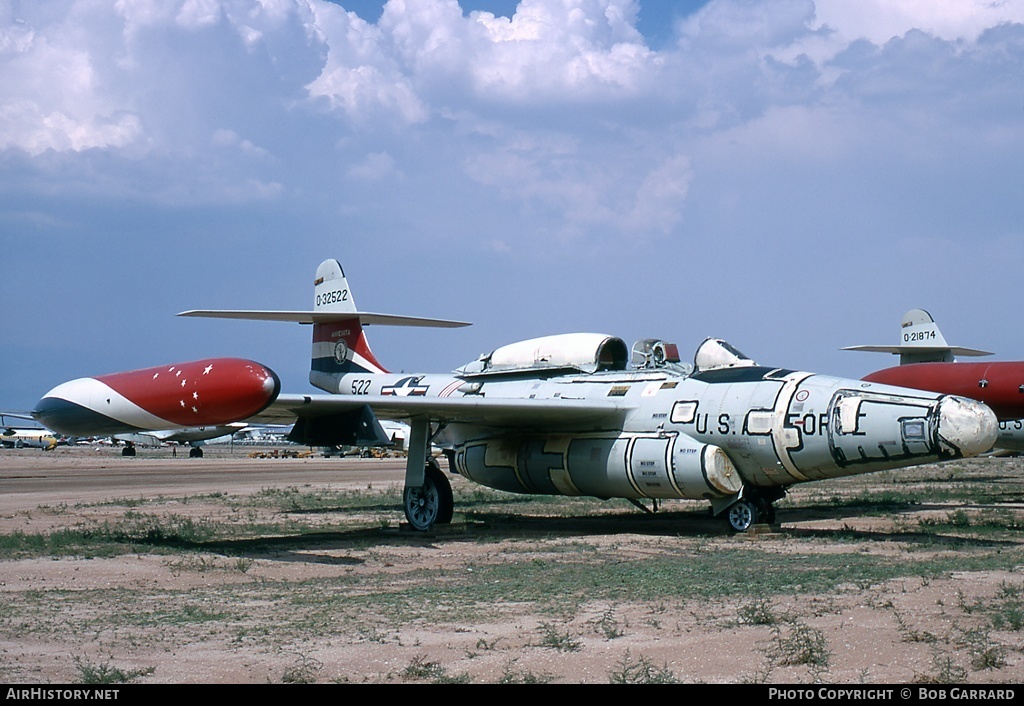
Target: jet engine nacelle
<point>585,352</point>
<point>625,465</point>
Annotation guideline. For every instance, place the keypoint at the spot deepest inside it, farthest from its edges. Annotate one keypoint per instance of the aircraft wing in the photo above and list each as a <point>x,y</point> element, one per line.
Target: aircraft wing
<point>494,412</point>
<point>196,433</point>
<point>15,415</point>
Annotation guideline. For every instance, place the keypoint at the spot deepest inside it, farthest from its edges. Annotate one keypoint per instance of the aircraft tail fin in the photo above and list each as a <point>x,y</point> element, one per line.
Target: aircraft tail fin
<point>339,343</point>
<point>921,341</point>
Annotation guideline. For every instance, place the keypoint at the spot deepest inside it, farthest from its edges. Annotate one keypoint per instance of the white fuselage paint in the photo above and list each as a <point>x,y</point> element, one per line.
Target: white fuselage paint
<point>693,436</point>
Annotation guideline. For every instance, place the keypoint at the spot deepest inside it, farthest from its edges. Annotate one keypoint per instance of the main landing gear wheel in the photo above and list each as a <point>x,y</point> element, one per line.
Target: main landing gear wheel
<point>748,512</point>
<point>431,503</point>
<point>195,452</point>
<point>742,515</point>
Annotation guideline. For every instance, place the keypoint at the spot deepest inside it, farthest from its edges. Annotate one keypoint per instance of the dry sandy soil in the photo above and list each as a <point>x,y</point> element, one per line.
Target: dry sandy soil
<point>364,601</point>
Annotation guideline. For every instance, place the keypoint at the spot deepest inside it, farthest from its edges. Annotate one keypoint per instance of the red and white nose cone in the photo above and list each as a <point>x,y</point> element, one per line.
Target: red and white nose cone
<point>202,392</point>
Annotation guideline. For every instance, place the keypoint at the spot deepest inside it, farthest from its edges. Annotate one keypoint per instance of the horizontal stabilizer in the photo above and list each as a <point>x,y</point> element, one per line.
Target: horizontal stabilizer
<point>896,350</point>
<point>324,317</point>
<point>921,342</point>
<point>332,302</point>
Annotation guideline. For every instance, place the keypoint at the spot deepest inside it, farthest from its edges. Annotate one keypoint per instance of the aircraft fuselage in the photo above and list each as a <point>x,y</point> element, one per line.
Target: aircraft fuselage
<point>703,435</point>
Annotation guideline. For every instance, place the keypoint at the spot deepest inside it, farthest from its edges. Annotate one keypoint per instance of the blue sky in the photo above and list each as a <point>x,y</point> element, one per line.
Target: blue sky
<point>786,174</point>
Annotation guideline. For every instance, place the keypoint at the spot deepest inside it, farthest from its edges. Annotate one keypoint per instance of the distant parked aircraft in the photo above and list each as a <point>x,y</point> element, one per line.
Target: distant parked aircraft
<point>927,362</point>
<point>18,435</point>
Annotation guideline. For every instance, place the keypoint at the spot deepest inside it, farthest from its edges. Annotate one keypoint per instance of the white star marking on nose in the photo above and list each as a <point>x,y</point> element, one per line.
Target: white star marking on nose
<point>207,370</point>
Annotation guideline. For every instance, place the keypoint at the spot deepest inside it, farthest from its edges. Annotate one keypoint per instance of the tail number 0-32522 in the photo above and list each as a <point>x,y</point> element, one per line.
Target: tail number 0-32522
<point>332,297</point>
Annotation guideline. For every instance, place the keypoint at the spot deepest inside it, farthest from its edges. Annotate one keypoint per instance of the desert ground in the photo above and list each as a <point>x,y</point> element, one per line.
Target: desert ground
<point>229,569</point>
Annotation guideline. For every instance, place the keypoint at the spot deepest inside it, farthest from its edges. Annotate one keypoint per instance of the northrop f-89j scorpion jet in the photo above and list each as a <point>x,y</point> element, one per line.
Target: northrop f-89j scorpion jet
<point>559,415</point>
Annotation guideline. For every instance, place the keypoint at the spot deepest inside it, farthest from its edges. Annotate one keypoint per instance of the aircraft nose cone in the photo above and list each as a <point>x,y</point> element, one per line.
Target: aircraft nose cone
<point>966,426</point>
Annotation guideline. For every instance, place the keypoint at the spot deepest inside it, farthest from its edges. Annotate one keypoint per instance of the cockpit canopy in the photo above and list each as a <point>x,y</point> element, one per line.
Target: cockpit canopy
<point>714,354</point>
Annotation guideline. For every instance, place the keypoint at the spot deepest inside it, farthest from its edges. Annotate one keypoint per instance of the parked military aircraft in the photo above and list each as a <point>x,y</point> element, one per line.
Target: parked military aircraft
<point>563,415</point>
<point>195,437</point>
<point>927,362</point>
<point>921,342</point>
<point>14,435</point>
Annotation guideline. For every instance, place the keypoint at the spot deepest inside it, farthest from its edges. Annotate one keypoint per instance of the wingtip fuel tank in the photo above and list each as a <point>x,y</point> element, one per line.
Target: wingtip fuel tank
<point>202,392</point>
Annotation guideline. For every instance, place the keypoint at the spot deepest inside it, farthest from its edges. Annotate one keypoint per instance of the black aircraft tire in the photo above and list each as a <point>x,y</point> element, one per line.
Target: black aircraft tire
<point>430,504</point>
<point>444,488</point>
<point>742,516</point>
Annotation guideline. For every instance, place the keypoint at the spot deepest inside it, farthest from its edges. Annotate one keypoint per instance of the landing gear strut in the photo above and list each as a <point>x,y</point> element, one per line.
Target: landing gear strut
<point>430,503</point>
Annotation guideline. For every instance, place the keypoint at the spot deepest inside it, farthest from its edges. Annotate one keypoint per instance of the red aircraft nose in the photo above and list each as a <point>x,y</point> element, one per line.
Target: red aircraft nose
<point>1000,385</point>
<point>203,392</point>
